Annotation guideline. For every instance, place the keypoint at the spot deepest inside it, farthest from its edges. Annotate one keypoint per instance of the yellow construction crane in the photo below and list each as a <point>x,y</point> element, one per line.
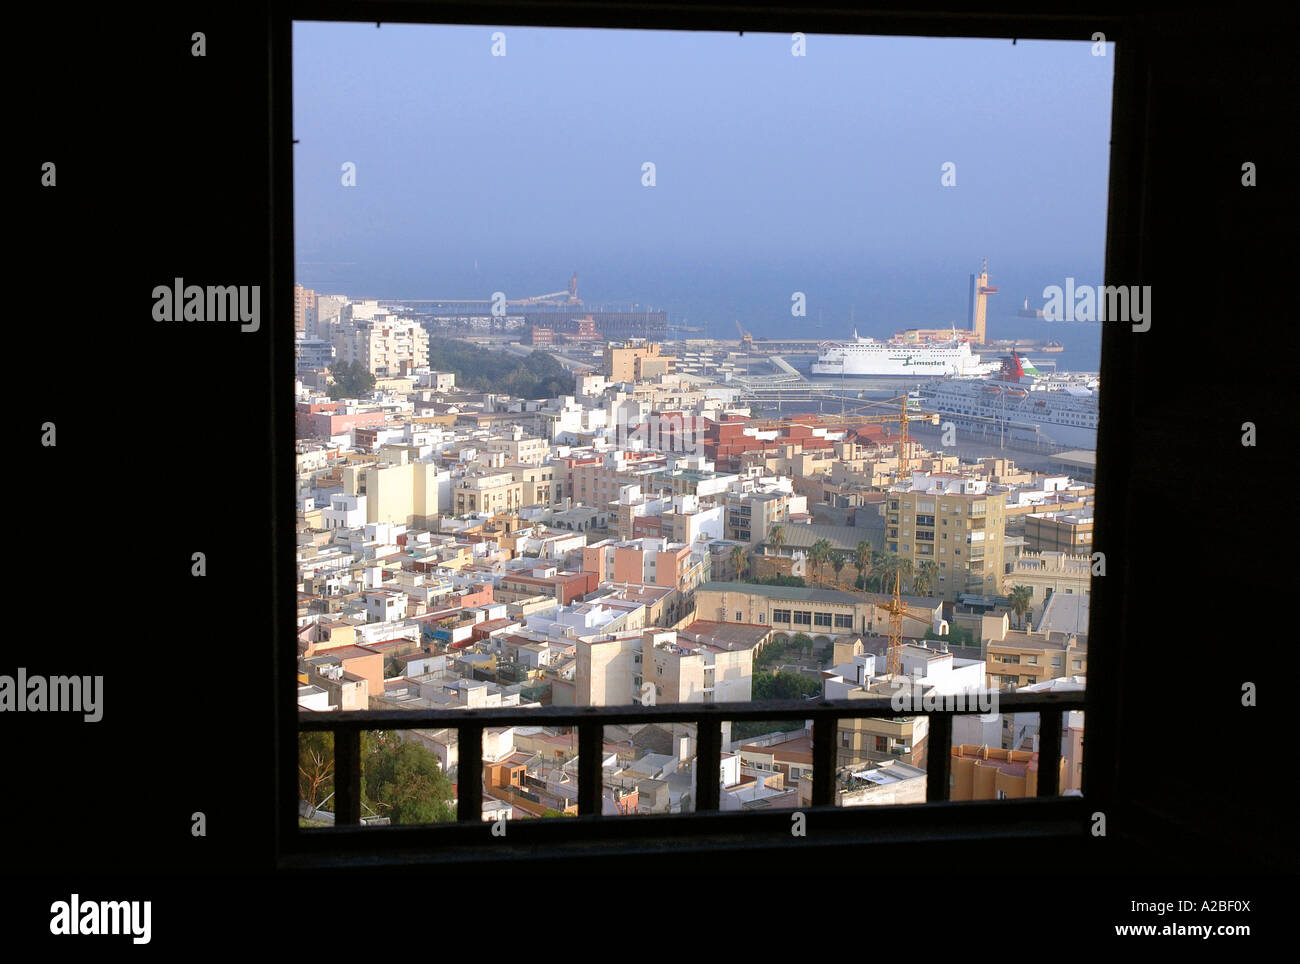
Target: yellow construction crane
<point>746,338</point>
<point>904,462</point>
<point>896,609</point>
<point>851,418</point>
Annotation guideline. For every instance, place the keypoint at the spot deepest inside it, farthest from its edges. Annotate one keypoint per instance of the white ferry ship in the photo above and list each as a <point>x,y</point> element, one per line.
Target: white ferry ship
<point>1020,403</point>
<point>869,357</point>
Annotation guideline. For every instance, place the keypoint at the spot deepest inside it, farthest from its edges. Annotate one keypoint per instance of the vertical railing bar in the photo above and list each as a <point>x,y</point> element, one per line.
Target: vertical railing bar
<point>708,764</point>
<point>347,778</point>
<point>938,757</point>
<point>591,740</point>
<point>1049,753</point>
<point>469,773</point>
<point>825,727</point>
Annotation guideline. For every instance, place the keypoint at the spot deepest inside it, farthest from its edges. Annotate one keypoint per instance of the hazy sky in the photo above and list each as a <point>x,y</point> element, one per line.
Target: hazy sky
<point>774,173</point>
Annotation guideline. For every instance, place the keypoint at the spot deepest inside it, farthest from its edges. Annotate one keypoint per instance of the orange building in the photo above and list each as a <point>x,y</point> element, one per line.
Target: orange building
<point>991,773</point>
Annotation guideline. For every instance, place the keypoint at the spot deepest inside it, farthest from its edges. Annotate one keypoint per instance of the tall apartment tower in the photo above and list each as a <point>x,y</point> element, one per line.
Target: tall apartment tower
<point>304,310</point>
<point>954,522</point>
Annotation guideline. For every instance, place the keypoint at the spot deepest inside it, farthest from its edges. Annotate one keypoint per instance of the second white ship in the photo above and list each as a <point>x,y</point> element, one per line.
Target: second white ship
<point>872,358</point>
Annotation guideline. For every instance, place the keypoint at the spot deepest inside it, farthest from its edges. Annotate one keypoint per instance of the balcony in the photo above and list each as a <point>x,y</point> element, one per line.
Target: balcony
<point>307,846</point>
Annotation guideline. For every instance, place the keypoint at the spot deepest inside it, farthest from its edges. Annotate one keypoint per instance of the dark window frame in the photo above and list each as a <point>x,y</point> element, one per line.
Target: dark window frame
<point>1128,197</point>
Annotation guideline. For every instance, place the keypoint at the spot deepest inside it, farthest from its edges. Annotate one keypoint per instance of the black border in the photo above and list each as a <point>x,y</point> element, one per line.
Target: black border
<point>1063,820</point>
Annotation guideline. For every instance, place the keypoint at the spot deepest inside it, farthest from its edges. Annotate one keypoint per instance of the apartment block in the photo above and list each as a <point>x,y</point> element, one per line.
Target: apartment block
<point>953,521</point>
<point>521,450</point>
<point>686,671</point>
<point>537,484</point>
<point>750,515</point>
<point>401,493</point>
<point>383,345</point>
<point>487,492</point>
<point>863,740</point>
<point>312,354</point>
<point>1066,532</point>
<point>631,364</point>
<point>992,773</point>
<point>562,586</point>
<point>647,561</point>
<point>608,671</point>
<point>304,309</point>
<point>1016,658</point>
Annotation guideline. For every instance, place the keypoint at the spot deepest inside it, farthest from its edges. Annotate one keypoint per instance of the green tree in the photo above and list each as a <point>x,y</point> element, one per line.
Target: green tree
<point>1021,597</point>
<point>818,553</point>
<point>785,686</point>
<point>739,561</point>
<point>837,563</point>
<point>862,556</point>
<point>883,569</point>
<point>924,580</point>
<point>904,570</point>
<point>776,538</point>
<point>780,579</point>
<point>406,783</point>
<point>351,380</point>
<point>538,375</point>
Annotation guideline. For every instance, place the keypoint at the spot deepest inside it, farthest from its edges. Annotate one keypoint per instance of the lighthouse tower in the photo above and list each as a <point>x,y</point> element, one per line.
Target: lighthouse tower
<point>982,290</point>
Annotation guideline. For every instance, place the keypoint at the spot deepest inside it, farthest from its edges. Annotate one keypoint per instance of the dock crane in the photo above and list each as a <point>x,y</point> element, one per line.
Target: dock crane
<point>746,339</point>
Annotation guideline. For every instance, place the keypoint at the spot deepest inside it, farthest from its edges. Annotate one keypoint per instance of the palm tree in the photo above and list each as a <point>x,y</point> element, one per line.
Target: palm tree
<point>1021,597</point>
<point>776,538</point>
<point>862,556</point>
<point>739,560</point>
<point>837,563</point>
<point>818,553</point>
<point>925,576</point>
<point>905,570</point>
<point>883,567</point>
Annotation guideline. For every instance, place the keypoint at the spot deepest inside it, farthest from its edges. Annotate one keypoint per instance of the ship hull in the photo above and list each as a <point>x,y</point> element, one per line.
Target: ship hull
<point>865,358</point>
<point>999,409</point>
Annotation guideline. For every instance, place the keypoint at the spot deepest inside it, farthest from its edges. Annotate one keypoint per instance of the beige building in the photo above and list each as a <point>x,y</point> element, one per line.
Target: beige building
<point>1046,573</point>
<point>489,492</point>
<point>954,522</point>
<point>608,672</point>
<point>992,773</point>
<point>529,451</point>
<point>863,740</point>
<point>750,515</point>
<point>537,483</point>
<point>1069,532</point>
<point>400,491</point>
<point>304,309</point>
<point>796,610</point>
<point>630,364</point>
<point>1014,659</point>
<point>683,671</point>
